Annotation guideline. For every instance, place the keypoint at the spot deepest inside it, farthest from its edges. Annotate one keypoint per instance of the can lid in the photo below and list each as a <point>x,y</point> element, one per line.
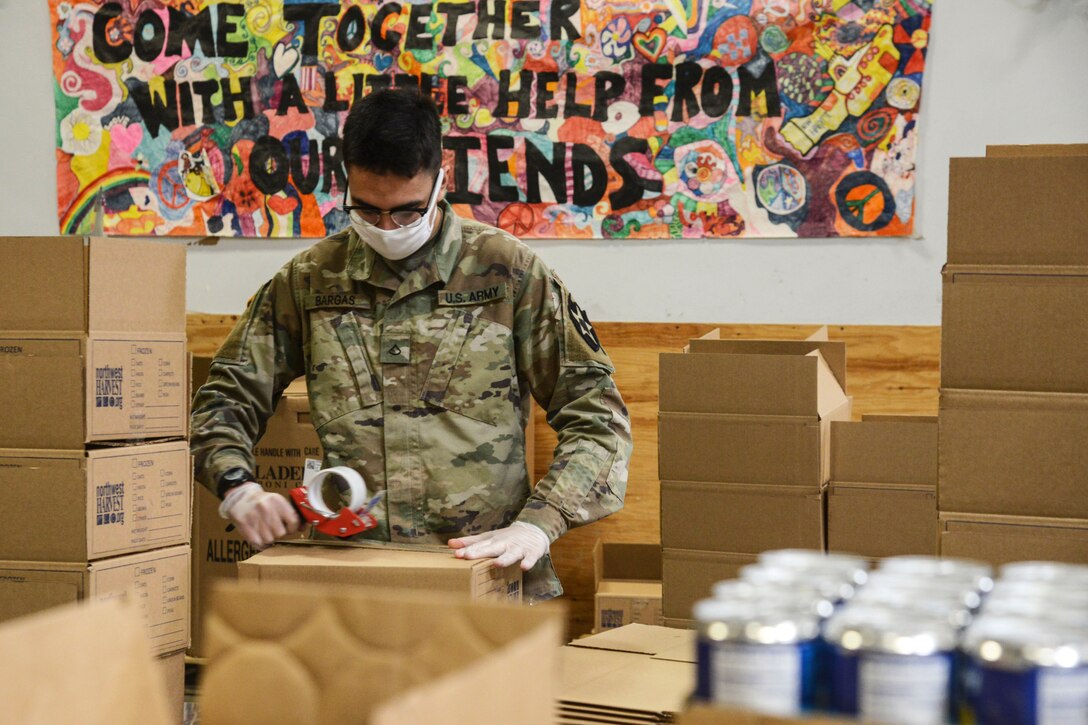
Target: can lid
<point>1015,642</point>
<point>1070,591</point>
<point>801,598</point>
<point>950,610</point>
<point>1042,609</point>
<point>829,583</point>
<point>910,586</point>
<point>979,573</point>
<point>754,622</point>
<point>855,568</point>
<point>875,628</point>
<point>1049,571</point>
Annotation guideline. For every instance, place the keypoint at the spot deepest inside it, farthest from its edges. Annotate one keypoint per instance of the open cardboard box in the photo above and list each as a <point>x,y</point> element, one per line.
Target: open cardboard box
<point>773,399</point>
<point>289,654</point>
<point>93,330</point>
<point>883,495</point>
<point>89,663</point>
<point>385,565</point>
<point>159,581</point>
<point>1002,539</point>
<point>1011,453</point>
<point>627,579</point>
<point>89,504</point>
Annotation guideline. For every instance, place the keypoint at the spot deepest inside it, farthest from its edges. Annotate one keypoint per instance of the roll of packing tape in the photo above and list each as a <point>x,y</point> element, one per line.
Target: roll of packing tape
<point>350,476</point>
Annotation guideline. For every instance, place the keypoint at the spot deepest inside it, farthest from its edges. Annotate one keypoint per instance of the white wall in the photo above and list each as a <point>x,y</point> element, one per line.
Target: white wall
<point>998,71</point>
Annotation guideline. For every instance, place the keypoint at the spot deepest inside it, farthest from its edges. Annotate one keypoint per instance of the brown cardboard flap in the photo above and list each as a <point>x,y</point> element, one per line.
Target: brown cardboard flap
<point>740,384</point>
<point>82,664</point>
<point>1002,539</point>
<point>27,301</point>
<point>1014,453</point>
<point>834,353</point>
<point>1015,331</point>
<point>742,518</point>
<point>709,715</point>
<point>735,448</point>
<point>1049,149</point>
<point>136,285</point>
<point>393,642</point>
<point>988,221</point>
<point>624,681</point>
<point>900,450</point>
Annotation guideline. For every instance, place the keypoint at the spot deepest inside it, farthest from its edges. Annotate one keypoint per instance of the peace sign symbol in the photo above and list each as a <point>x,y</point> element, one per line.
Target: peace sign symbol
<point>169,186</point>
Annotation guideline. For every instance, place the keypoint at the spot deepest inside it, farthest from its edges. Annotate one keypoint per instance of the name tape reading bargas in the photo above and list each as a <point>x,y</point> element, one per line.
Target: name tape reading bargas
<point>454,298</point>
<point>337,299</point>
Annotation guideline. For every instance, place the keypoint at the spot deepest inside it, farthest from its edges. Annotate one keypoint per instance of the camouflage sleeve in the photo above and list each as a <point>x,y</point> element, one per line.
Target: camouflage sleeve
<point>566,369</point>
<point>260,357</point>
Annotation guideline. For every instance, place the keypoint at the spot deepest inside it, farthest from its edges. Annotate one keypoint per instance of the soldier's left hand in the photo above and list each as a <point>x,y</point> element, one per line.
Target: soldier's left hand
<point>518,542</point>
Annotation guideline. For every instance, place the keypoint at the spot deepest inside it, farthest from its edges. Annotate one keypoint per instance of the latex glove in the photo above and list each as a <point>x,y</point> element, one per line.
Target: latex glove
<point>517,542</point>
<point>261,516</point>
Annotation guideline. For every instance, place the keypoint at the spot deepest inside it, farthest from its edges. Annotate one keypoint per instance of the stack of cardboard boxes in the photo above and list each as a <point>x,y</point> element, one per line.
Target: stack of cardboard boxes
<point>882,500</point>
<point>743,456</point>
<point>95,470</point>
<point>1014,357</point>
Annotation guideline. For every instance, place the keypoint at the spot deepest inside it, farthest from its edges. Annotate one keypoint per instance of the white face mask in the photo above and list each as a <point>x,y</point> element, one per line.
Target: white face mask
<point>396,244</point>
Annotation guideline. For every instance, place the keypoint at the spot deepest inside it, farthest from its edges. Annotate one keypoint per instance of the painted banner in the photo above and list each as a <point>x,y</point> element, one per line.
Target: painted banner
<point>562,118</point>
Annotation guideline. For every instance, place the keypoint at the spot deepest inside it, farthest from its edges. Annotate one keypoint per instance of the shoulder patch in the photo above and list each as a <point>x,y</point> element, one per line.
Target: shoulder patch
<point>580,342</point>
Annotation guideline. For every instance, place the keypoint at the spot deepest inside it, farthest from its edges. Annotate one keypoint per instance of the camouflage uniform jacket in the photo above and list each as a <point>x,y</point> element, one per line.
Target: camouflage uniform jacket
<point>422,385</point>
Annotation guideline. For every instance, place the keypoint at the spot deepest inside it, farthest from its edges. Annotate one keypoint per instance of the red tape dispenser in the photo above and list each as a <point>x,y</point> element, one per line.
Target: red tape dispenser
<point>353,518</point>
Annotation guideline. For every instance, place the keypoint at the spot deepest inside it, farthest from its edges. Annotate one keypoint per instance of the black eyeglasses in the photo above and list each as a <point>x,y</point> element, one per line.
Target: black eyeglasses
<point>372,216</point>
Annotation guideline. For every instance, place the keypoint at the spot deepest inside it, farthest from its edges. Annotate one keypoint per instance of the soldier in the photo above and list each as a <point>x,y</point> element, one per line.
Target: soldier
<point>421,336</point>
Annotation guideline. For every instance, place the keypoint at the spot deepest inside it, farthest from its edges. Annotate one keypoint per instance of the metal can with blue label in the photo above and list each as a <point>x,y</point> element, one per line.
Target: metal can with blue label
<point>1023,671</point>
<point>892,666</point>
<point>756,656</point>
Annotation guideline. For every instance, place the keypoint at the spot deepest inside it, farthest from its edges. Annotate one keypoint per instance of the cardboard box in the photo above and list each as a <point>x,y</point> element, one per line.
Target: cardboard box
<point>376,564</point>
<point>688,576</point>
<point>88,663</point>
<point>283,653</point>
<point>627,580</point>
<point>89,504</point>
<point>741,518</point>
<point>1019,454</point>
<point>172,669</point>
<point>1044,149</point>
<point>78,284</point>
<point>882,519</point>
<point>1001,539</point>
<point>778,450</point>
<point>991,217</point>
<point>74,389</point>
<point>773,399</point>
<point>158,580</point>
<point>885,449</point>
<point>1015,328</point>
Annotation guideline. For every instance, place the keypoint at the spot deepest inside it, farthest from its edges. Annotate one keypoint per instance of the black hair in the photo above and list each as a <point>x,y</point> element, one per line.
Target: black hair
<point>394,131</point>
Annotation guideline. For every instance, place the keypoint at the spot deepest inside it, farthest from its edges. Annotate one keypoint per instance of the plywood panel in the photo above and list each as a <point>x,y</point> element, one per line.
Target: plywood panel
<point>890,369</point>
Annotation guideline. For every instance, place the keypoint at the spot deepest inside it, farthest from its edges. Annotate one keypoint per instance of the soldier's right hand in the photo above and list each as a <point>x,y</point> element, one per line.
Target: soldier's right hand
<point>261,516</point>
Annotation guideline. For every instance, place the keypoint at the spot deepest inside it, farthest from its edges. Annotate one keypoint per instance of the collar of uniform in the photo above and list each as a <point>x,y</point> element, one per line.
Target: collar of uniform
<point>363,259</point>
